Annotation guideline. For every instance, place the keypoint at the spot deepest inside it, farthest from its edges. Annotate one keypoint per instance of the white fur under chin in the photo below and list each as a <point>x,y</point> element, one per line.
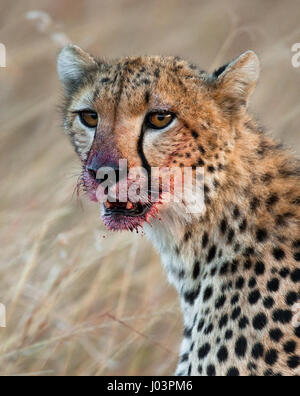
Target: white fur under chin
<point>166,232</point>
<point>168,228</point>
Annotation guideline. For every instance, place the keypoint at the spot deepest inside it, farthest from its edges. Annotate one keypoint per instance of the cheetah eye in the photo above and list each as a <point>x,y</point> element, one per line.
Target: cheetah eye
<point>89,118</point>
<point>159,120</point>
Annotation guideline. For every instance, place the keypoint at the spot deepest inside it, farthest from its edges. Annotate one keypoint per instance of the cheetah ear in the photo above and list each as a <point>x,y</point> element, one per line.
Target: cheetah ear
<point>72,63</point>
<point>235,82</point>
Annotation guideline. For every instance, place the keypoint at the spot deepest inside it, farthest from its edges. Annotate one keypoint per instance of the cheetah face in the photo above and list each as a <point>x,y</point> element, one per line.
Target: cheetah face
<point>153,113</point>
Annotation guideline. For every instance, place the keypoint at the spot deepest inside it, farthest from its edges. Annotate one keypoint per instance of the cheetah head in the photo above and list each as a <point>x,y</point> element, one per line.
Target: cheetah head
<point>151,113</point>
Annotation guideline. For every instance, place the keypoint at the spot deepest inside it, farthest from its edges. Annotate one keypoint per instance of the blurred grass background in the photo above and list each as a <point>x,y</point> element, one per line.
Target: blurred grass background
<point>81,301</point>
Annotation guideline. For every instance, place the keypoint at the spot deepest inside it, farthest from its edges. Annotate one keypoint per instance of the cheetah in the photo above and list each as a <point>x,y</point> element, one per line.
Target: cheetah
<point>235,265</point>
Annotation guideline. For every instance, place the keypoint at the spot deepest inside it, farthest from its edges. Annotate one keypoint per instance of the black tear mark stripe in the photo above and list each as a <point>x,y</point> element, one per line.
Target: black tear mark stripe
<point>141,153</point>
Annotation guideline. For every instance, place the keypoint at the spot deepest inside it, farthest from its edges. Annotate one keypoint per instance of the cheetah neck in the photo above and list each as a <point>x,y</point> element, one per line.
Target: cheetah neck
<point>241,229</point>
<point>194,254</point>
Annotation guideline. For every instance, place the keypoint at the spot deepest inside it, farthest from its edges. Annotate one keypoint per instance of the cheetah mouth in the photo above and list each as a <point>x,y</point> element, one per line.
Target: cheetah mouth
<point>127,209</point>
<point>127,216</point>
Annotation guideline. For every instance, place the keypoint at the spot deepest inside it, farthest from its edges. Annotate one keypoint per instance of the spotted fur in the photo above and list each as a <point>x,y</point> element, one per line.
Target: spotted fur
<point>236,267</point>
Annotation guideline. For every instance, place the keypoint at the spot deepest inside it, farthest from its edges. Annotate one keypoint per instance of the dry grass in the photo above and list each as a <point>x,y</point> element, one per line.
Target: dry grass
<point>79,301</point>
